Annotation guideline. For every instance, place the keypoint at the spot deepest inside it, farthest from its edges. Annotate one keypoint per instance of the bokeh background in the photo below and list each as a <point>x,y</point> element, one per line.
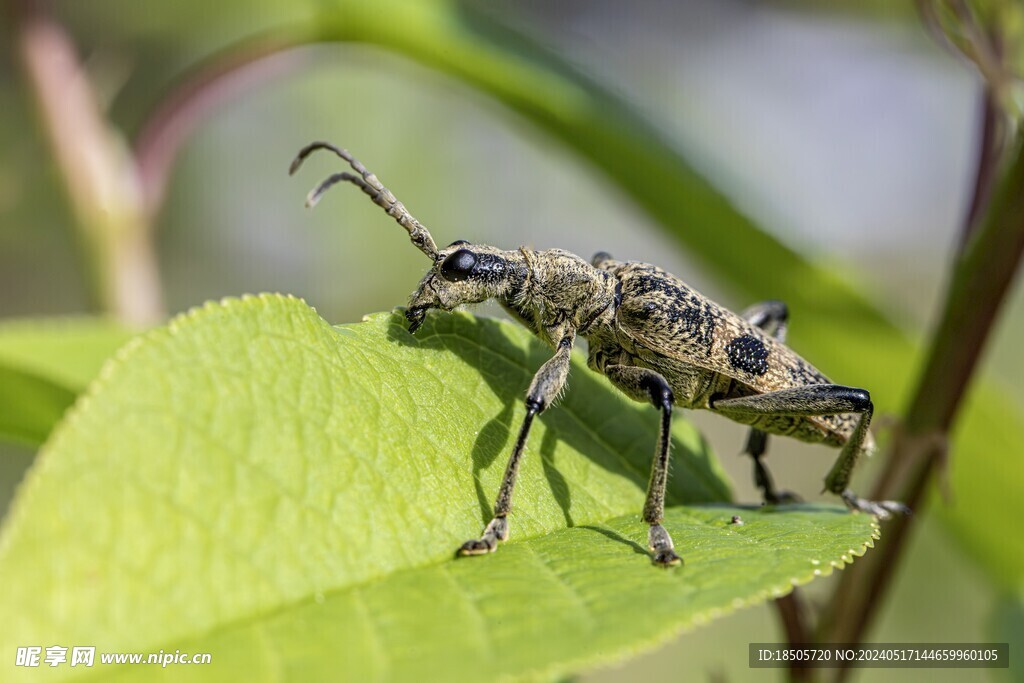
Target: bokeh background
<point>847,132</point>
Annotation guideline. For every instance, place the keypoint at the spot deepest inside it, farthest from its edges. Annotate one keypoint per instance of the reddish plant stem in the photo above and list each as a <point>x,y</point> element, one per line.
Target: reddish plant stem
<point>793,615</point>
<point>990,148</point>
<point>93,165</point>
<point>980,280</point>
<point>220,79</point>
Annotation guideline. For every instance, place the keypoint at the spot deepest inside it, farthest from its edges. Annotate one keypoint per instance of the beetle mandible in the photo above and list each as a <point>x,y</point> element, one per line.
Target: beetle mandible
<point>655,338</point>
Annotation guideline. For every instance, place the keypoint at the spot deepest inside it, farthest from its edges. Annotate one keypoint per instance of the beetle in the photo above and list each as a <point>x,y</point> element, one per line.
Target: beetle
<point>654,337</point>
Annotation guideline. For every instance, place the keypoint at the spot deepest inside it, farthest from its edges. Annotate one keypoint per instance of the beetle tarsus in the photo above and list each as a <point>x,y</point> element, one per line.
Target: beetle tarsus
<point>662,549</point>
<point>782,498</point>
<point>496,531</point>
<point>883,509</point>
<point>762,478</point>
<point>415,316</point>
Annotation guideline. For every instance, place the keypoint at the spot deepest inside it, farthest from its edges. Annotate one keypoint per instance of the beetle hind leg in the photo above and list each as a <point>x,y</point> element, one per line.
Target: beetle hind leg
<point>820,400</point>
<point>757,443</point>
<point>772,317</point>
<point>838,479</point>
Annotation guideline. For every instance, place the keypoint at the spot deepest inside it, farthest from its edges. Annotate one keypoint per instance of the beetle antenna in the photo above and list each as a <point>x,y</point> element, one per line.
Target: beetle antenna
<point>368,183</point>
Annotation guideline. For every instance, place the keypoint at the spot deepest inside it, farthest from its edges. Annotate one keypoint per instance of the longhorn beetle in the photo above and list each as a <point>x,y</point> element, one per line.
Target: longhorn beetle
<point>654,337</point>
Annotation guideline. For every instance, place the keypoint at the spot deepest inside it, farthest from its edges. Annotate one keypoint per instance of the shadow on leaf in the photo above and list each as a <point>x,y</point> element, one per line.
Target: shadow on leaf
<point>485,345</point>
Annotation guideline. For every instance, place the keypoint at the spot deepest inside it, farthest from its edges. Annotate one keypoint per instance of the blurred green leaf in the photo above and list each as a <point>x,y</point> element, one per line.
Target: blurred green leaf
<point>250,474</point>
<point>30,406</point>
<point>985,480</point>
<point>66,351</point>
<point>462,40</point>
<point>44,365</point>
<point>1007,626</point>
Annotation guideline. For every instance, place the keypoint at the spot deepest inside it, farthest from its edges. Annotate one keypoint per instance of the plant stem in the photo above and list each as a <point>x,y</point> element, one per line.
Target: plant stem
<point>980,281</point>
<point>990,148</point>
<point>95,168</point>
<point>981,277</point>
<point>793,615</point>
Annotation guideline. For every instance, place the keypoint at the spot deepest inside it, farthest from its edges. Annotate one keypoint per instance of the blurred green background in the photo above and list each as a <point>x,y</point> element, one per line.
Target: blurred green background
<point>847,134</point>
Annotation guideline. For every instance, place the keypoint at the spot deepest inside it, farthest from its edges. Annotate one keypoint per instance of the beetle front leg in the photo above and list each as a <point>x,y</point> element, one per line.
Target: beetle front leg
<point>544,389</point>
<point>642,384</point>
<point>818,400</point>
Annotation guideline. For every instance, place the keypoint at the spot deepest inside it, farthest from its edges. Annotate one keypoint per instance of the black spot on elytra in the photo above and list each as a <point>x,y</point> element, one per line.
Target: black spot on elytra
<point>748,354</point>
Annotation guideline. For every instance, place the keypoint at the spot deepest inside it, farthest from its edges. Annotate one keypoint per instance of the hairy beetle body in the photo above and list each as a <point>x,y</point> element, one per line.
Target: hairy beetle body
<point>656,339</point>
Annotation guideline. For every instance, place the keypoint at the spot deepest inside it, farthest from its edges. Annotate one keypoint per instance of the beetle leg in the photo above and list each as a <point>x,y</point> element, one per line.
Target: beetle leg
<point>838,479</point>
<point>757,443</point>
<point>642,384</point>
<point>772,317</point>
<point>603,259</point>
<point>547,384</point>
<point>819,400</point>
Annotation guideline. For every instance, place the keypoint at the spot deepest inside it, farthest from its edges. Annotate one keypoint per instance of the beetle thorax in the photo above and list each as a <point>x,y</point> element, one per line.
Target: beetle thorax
<point>561,289</point>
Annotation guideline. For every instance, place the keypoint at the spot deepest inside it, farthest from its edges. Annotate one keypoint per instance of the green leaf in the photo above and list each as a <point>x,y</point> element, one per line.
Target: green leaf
<point>1007,626</point>
<point>30,406</point>
<point>250,475</point>
<point>44,365</point>
<point>587,596</point>
<point>985,480</point>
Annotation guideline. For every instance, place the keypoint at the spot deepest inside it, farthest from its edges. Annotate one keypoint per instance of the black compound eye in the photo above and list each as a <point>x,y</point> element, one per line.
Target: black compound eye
<point>458,266</point>
<point>458,242</point>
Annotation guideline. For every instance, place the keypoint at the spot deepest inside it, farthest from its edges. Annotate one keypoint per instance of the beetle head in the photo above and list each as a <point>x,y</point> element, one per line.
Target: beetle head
<point>465,273</point>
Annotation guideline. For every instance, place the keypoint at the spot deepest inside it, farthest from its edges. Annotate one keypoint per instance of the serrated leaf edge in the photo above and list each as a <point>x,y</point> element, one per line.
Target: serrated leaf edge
<point>614,657</point>
<point>24,492</point>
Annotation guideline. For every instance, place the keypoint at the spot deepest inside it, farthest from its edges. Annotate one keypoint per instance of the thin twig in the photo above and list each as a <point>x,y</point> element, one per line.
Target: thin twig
<point>983,49</point>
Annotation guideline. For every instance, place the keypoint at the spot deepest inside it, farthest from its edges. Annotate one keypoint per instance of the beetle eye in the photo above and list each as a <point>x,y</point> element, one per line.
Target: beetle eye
<point>458,266</point>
